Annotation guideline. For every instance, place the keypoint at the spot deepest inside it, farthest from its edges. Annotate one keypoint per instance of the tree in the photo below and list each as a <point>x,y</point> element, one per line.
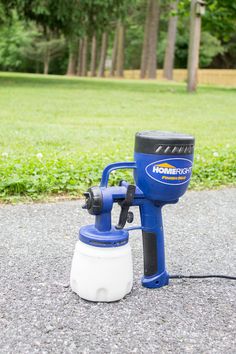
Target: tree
<point>43,51</point>
<point>45,14</point>
<point>171,38</point>
<point>220,18</point>
<point>220,21</point>
<point>114,51</point>
<point>93,63</point>
<point>73,57</point>
<point>194,44</point>
<point>149,58</point>
<point>120,50</point>
<point>80,57</point>
<point>210,46</point>
<point>145,50</point>
<point>153,28</point>
<point>53,19</point>
<point>94,17</point>
<point>84,65</point>
<point>14,37</point>
<point>103,54</point>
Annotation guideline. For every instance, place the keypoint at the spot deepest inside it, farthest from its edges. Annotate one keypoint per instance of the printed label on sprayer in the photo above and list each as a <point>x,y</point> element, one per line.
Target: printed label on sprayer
<point>174,171</point>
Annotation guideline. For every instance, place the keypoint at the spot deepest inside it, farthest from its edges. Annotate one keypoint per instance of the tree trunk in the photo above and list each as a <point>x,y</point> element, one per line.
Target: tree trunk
<point>120,50</point>
<point>194,45</point>
<point>80,54</point>
<point>144,57</point>
<point>36,67</point>
<point>93,63</point>
<point>114,52</point>
<point>71,67</point>
<point>46,61</point>
<point>152,45</point>
<point>101,69</point>
<point>170,46</point>
<point>84,57</point>
<point>72,61</point>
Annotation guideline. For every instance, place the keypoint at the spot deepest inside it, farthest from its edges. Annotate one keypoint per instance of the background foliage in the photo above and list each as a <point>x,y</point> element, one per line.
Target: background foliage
<point>30,24</point>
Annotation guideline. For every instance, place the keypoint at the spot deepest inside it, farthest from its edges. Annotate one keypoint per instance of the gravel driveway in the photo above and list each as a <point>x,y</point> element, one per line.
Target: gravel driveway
<point>40,314</point>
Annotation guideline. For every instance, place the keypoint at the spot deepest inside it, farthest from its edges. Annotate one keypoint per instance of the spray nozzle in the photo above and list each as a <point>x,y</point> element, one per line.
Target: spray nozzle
<point>93,201</point>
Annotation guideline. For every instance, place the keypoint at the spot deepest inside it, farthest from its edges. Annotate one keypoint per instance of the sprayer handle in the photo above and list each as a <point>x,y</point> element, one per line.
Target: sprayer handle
<point>115,166</point>
<point>155,275</point>
<point>149,253</point>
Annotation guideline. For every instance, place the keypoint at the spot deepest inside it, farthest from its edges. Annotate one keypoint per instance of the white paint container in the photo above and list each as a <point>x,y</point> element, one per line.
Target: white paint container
<point>101,274</point>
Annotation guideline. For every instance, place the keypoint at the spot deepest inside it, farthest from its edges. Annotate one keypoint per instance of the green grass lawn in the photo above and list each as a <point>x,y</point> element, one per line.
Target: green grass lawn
<point>58,133</point>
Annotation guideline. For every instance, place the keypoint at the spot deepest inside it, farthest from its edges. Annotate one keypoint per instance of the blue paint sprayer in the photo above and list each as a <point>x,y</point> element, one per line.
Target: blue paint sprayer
<point>102,267</point>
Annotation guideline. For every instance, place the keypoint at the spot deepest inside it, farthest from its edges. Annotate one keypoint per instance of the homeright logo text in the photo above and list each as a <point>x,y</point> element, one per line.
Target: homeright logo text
<point>173,171</point>
<point>166,168</point>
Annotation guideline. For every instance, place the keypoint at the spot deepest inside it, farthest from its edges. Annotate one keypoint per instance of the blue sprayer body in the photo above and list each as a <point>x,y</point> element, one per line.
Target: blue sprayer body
<point>162,170</point>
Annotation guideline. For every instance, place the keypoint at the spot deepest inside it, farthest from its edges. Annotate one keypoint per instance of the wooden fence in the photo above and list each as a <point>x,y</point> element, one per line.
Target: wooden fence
<point>205,76</point>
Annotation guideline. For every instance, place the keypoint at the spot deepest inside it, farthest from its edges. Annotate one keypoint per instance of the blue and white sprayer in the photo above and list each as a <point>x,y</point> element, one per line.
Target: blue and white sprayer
<point>102,267</point>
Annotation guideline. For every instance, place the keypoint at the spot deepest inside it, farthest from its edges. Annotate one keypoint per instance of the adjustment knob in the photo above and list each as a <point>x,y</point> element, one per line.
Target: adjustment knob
<point>93,202</point>
<point>130,217</point>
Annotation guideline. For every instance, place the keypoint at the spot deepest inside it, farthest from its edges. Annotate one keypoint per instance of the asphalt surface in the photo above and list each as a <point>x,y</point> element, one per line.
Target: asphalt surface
<point>40,314</point>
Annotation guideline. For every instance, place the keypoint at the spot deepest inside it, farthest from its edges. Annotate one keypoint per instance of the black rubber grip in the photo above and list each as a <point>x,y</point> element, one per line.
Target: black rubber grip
<point>149,253</point>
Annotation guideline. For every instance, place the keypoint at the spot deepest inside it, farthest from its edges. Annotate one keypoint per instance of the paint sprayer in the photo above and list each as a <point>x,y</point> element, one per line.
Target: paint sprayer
<point>102,268</point>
